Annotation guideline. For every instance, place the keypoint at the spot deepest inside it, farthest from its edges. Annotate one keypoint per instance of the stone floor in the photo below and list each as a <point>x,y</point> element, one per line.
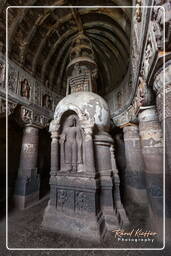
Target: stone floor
<point>25,232</point>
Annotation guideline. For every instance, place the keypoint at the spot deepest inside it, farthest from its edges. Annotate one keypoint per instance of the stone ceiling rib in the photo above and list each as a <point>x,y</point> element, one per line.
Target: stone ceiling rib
<point>49,57</point>
<point>48,40</point>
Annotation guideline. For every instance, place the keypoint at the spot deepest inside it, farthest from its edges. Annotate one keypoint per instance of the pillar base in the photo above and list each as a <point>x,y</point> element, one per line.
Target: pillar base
<point>22,202</point>
<point>27,190</point>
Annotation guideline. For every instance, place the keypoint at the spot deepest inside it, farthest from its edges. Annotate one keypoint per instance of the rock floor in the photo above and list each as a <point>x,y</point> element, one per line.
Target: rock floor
<point>24,231</point>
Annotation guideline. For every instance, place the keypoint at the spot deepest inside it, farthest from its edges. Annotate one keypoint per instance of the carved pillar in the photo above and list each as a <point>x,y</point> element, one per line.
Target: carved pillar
<point>160,89</point>
<point>89,150</point>
<point>27,184</point>
<point>54,130</point>
<point>152,149</point>
<point>134,173</point>
<point>54,153</point>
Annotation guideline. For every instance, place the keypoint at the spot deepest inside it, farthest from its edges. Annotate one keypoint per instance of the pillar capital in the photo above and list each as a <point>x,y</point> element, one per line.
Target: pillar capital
<point>88,131</point>
<point>127,125</point>
<point>148,113</point>
<point>54,135</point>
<point>162,78</point>
<point>54,126</point>
<point>26,116</point>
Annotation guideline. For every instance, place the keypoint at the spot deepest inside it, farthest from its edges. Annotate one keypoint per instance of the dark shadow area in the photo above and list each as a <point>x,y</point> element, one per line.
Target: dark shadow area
<point>2,166</point>
<point>44,161</point>
<point>117,135</point>
<point>15,133</point>
<point>14,148</point>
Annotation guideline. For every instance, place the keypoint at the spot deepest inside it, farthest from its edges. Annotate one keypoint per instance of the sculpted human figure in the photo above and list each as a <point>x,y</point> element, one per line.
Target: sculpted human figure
<point>25,89</point>
<point>71,144</point>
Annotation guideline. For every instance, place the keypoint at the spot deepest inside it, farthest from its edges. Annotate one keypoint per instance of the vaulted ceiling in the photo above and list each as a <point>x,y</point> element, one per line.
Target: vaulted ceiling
<point>40,38</point>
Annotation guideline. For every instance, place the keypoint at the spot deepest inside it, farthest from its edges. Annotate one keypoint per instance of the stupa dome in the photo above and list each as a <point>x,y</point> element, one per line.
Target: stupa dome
<point>85,104</point>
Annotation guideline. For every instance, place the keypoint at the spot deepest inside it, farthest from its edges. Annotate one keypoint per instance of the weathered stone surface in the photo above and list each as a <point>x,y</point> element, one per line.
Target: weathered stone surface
<point>89,107</point>
<point>152,149</point>
<point>135,189</point>
<point>28,182</point>
<point>90,204</point>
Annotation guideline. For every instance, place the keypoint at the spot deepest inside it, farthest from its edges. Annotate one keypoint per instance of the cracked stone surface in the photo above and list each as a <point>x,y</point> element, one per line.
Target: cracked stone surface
<point>24,231</point>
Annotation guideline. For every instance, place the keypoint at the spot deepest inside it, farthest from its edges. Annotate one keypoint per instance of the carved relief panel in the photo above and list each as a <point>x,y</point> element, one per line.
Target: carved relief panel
<point>12,78</point>
<point>78,202</point>
<point>25,86</point>
<point>150,54</point>
<point>37,93</point>
<point>2,74</point>
<point>47,99</point>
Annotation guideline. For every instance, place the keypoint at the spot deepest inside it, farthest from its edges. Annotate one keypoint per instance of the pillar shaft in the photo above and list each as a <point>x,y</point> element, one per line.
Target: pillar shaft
<point>54,154</point>
<point>27,183</point>
<point>134,174</point>
<point>29,149</point>
<point>164,111</point>
<point>152,149</point>
<point>89,151</point>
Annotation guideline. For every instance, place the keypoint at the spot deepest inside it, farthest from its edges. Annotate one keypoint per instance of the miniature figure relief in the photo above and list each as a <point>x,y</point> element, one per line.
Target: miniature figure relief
<point>25,89</point>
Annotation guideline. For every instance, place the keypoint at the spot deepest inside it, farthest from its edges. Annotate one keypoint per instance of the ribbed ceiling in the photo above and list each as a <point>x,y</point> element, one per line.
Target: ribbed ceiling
<point>40,39</point>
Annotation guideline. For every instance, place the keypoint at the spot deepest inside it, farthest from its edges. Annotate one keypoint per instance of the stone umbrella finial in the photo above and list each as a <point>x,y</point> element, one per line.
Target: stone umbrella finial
<point>82,68</point>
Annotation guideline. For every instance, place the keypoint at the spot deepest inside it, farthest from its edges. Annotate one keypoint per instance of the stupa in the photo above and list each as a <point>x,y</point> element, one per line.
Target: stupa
<point>84,184</point>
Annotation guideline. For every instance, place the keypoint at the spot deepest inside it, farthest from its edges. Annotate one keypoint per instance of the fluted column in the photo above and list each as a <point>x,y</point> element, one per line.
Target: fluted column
<point>89,150</point>
<point>134,173</point>
<point>152,149</point>
<point>27,183</point>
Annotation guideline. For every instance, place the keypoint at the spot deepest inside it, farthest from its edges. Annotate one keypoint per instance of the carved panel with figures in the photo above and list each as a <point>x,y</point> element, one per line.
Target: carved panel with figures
<point>2,74</point>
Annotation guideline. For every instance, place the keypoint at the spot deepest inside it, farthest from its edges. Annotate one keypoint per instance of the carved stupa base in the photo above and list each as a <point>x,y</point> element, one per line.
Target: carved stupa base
<point>87,227</point>
<point>74,209</point>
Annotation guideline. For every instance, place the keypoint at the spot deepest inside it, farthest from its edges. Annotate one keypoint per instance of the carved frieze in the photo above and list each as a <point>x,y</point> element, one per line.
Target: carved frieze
<point>12,79</point>
<point>11,107</point>
<point>29,116</point>
<point>27,91</point>
<point>160,21</point>
<point>78,202</point>
<point>158,24</point>
<point>81,203</point>
<point>37,93</point>
<point>65,199</point>
<point>150,54</point>
<point>26,115</point>
<point>161,86</point>
<point>2,74</point>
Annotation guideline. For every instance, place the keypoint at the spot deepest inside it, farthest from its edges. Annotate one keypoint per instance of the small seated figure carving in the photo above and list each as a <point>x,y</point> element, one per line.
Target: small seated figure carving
<point>71,144</point>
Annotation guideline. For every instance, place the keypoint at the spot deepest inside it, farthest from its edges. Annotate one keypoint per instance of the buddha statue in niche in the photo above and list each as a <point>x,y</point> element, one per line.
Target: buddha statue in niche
<point>71,144</point>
